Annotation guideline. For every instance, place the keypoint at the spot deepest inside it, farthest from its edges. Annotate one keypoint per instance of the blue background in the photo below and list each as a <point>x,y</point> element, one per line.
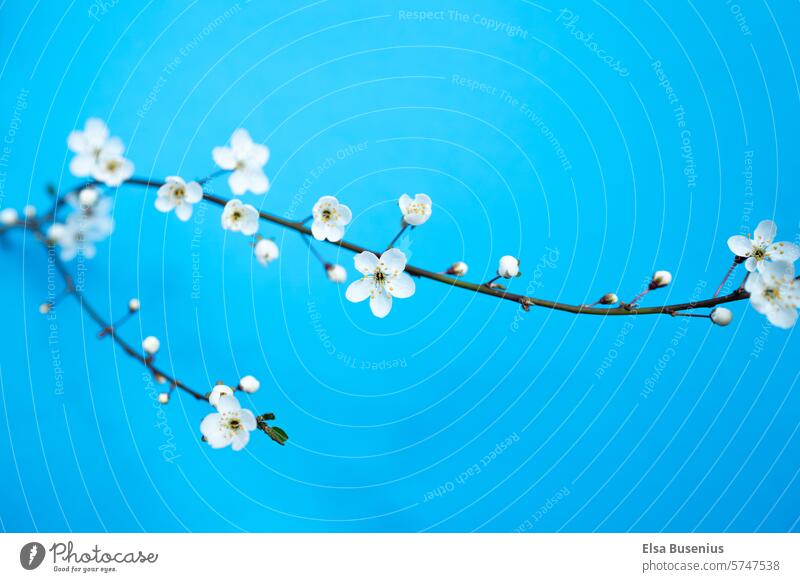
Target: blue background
<point>615,424</point>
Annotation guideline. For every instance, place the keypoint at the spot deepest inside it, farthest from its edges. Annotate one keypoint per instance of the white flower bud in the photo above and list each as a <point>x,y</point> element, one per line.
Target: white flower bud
<point>151,344</point>
<point>508,267</point>
<point>249,384</point>
<point>459,269</point>
<point>609,299</point>
<point>29,211</point>
<point>721,316</point>
<point>134,305</point>
<point>163,397</point>
<point>8,216</point>
<point>661,279</point>
<point>337,274</point>
<point>45,308</point>
<point>88,196</point>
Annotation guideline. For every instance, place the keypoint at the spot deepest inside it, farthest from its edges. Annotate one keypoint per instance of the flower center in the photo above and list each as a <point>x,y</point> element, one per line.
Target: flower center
<point>380,278</point>
<point>180,192</point>
<point>234,424</point>
<point>759,253</point>
<point>240,165</point>
<point>236,215</point>
<point>326,214</point>
<point>416,208</point>
<point>112,165</point>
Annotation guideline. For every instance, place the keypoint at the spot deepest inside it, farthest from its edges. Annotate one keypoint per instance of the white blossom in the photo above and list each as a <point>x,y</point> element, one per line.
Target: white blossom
<point>9,216</point>
<point>721,316</point>
<point>249,384</point>
<point>218,392</point>
<point>150,344</point>
<point>383,278</point>
<point>508,267</point>
<point>761,247</point>
<point>660,279</point>
<point>775,292</point>
<point>247,160</point>
<point>415,211</point>
<point>88,197</point>
<point>240,217</point>
<point>330,218</point>
<point>336,273</point>
<point>163,397</point>
<point>134,305</point>
<point>230,425</point>
<point>266,251</point>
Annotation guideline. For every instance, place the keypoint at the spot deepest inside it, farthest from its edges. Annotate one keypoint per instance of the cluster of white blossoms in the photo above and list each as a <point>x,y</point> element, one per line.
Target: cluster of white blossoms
<point>773,289</point>
<point>179,196</point>
<point>88,221</point>
<point>98,155</point>
<point>245,159</point>
<point>231,424</point>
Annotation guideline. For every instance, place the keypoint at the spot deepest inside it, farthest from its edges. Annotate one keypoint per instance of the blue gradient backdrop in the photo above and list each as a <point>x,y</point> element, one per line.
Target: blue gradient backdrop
<point>529,144</point>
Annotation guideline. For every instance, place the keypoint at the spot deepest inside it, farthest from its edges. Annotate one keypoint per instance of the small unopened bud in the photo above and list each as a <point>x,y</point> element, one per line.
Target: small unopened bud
<point>661,279</point>
<point>45,308</point>
<point>151,344</point>
<point>163,397</point>
<point>9,216</point>
<point>609,299</point>
<point>508,267</point>
<point>336,273</point>
<point>134,305</point>
<point>29,211</point>
<point>249,384</point>
<point>88,196</point>
<point>160,379</point>
<point>721,316</point>
<point>459,269</point>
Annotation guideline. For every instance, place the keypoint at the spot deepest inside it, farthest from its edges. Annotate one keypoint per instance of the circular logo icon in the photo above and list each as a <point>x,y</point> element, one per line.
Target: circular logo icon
<point>31,555</point>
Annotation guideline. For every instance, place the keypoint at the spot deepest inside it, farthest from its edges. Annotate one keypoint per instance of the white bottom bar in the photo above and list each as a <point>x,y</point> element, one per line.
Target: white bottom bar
<point>406,557</point>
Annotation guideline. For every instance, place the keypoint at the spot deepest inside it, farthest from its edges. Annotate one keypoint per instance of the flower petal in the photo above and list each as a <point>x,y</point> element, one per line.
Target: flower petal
<point>258,156</point>
<point>183,212</point>
<point>257,181</point>
<point>318,230</point>
<point>334,232</point>
<point>194,192</point>
<point>210,424</point>
<point>784,251</point>
<point>365,262</point>
<point>241,143</point>
<point>164,204</point>
<point>750,264</point>
<point>359,290</point>
<point>380,303</point>
<point>784,316</point>
<point>238,182</point>
<point>401,286</point>
<point>224,157</point>
<point>228,403</point>
<point>81,166</point>
<point>345,215</point>
<point>248,419</point>
<point>240,439</point>
<point>404,202</point>
<point>741,246</point>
